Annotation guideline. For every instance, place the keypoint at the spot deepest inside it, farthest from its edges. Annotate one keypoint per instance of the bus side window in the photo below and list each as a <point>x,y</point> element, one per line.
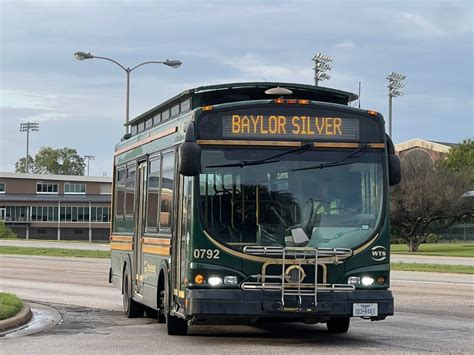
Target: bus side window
<point>130,198</point>
<point>119,199</point>
<point>153,195</point>
<point>167,190</point>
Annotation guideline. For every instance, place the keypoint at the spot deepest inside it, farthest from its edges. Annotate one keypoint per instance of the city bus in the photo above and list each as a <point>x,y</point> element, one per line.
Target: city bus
<point>254,202</point>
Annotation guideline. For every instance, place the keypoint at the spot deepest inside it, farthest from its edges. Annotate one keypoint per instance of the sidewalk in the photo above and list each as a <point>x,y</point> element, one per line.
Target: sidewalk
<point>55,245</point>
<point>424,259</point>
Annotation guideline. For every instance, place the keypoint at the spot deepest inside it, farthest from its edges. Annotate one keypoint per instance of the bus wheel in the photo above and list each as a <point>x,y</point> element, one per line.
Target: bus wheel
<point>176,325</point>
<point>338,324</point>
<point>131,308</point>
<point>161,308</point>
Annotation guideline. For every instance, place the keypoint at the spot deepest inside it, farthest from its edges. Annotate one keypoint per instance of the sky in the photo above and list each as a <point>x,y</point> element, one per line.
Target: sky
<point>81,104</point>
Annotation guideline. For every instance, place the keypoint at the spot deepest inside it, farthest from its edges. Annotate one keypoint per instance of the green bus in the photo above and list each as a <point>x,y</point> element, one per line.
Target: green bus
<point>254,202</point>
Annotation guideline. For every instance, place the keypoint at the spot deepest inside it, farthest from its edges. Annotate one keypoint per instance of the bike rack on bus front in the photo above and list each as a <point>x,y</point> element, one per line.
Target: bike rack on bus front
<point>295,257</point>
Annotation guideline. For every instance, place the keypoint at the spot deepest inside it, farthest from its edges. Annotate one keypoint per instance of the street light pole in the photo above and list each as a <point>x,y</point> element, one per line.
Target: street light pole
<point>27,127</point>
<point>395,85</point>
<point>171,63</point>
<point>89,158</point>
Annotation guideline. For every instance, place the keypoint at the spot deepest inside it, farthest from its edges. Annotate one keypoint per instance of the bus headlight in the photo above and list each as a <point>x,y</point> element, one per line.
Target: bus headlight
<point>214,280</point>
<point>230,280</point>
<point>367,281</point>
<point>353,280</point>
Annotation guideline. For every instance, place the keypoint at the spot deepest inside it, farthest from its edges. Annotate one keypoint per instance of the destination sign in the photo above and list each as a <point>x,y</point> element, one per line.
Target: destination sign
<point>303,127</point>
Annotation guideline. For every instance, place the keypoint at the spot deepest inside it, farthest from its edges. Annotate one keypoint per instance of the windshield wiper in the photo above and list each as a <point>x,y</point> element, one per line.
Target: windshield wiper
<point>267,160</point>
<point>362,149</point>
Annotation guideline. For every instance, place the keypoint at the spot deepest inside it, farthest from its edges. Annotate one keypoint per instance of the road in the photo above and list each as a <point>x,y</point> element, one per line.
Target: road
<point>434,313</point>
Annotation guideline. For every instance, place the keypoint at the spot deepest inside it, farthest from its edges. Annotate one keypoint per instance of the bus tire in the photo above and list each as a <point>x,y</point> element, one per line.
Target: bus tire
<point>176,325</point>
<point>161,308</point>
<point>338,324</point>
<point>131,308</point>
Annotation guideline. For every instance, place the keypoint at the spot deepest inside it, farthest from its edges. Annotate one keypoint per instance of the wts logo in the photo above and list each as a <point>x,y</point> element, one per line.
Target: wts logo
<point>379,253</point>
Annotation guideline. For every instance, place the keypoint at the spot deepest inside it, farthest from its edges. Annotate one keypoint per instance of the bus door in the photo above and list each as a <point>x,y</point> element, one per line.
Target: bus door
<point>140,225</point>
<point>181,228</point>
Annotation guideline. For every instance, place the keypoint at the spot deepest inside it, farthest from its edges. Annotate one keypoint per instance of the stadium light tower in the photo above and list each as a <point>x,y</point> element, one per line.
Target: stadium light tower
<point>170,63</point>
<point>89,158</point>
<point>321,66</point>
<point>27,127</point>
<point>395,85</point>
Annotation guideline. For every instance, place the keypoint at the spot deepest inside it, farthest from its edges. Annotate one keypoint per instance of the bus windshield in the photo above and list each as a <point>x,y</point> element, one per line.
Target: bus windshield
<point>301,198</point>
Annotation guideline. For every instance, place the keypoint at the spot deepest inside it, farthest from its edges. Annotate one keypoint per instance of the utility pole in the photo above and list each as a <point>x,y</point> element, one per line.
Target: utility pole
<point>27,127</point>
<point>395,85</point>
<point>89,158</point>
<point>321,66</point>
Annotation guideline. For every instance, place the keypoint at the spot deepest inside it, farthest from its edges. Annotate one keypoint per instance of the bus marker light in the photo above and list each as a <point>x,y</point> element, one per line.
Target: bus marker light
<point>230,280</point>
<point>372,113</point>
<point>367,281</point>
<point>291,101</point>
<point>199,279</point>
<point>214,280</point>
<point>279,101</point>
<point>381,280</point>
<point>303,102</point>
<point>207,108</point>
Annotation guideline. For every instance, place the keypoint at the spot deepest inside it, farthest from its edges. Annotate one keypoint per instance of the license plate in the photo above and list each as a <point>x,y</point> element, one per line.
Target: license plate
<point>365,309</point>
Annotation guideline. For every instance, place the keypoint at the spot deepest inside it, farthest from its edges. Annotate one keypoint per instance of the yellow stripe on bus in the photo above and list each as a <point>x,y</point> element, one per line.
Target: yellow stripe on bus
<point>156,250</point>
<point>121,238</point>
<point>121,246</point>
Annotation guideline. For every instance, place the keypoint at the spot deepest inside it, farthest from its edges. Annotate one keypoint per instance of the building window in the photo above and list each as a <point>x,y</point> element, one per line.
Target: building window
<point>134,130</point>
<point>46,188</point>
<point>2,187</point>
<point>105,189</point>
<point>70,188</point>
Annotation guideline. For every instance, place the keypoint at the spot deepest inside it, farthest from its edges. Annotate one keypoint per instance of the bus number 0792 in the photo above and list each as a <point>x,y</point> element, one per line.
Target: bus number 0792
<point>206,253</point>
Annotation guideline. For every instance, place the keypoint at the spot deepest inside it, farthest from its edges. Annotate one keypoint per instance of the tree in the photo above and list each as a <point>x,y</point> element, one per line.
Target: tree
<point>6,232</point>
<point>20,165</point>
<point>64,161</point>
<point>461,158</point>
<point>428,200</point>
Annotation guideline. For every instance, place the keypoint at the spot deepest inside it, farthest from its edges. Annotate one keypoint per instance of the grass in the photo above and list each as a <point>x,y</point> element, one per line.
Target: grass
<point>10,305</point>
<point>439,249</point>
<point>455,269</point>
<point>54,252</point>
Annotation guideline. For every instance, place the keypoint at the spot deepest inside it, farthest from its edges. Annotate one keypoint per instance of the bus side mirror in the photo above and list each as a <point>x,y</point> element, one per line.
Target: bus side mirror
<point>394,170</point>
<point>189,159</point>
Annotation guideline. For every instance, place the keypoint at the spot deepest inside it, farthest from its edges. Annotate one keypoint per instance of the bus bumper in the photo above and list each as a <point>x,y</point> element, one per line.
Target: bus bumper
<point>239,303</point>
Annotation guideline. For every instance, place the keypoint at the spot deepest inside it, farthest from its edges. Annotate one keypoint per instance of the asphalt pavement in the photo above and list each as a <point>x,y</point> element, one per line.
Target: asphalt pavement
<point>433,313</point>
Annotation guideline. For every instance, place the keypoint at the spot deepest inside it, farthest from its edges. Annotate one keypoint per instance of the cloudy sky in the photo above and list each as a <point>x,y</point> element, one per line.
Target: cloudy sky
<point>82,104</point>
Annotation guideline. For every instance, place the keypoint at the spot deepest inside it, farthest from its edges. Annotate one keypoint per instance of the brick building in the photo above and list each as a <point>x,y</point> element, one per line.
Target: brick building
<point>62,207</point>
<point>431,150</point>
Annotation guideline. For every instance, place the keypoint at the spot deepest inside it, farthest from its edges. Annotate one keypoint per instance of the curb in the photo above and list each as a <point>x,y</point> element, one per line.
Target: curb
<point>22,317</point>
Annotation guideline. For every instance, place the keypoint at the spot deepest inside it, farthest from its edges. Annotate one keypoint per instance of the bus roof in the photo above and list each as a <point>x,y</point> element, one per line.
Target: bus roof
<point>245,91</point>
